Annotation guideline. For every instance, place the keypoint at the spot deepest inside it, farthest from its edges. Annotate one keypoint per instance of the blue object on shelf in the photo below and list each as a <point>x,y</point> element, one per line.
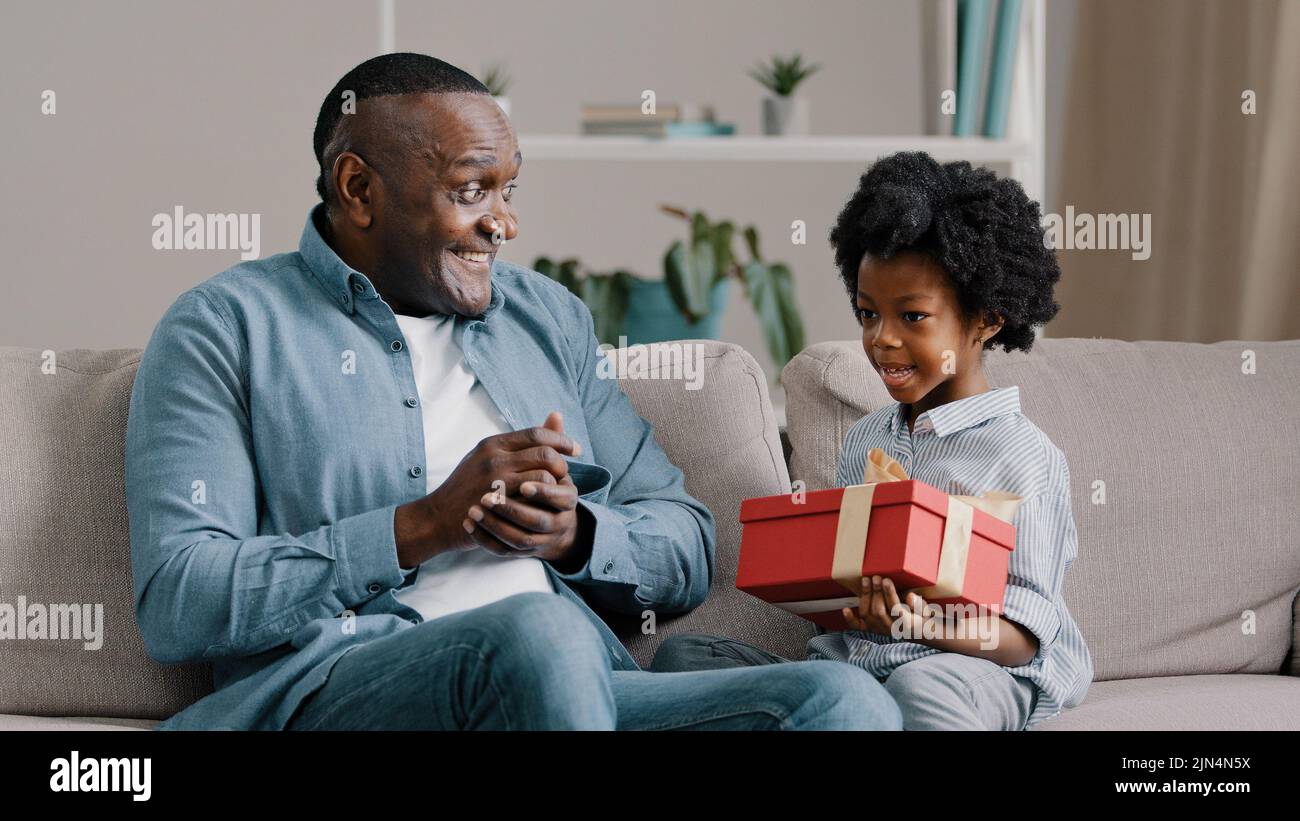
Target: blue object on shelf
<point>972,30</point>
<point>700,129</point>
<point>1004,61</point>
<point>652,316</point>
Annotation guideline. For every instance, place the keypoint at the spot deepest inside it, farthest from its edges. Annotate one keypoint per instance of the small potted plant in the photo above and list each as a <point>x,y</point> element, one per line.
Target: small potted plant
<point>497,82</point>
<point>783,113</point>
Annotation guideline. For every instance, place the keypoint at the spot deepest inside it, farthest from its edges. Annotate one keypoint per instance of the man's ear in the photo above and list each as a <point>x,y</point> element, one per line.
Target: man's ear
<point>353,180</point>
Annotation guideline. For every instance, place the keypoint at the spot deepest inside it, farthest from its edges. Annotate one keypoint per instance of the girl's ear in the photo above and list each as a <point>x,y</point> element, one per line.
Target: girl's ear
<point>989,326</point>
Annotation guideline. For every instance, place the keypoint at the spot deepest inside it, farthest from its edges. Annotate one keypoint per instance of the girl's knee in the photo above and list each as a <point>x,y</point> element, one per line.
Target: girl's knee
<point>683,652</point>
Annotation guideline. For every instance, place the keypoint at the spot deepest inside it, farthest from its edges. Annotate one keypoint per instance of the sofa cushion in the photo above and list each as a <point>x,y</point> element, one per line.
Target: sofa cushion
<point>77,724</point>
<point>1223,702</point>
<point>64,540</point>
<point>1198,538</point>
<point>724,437</point>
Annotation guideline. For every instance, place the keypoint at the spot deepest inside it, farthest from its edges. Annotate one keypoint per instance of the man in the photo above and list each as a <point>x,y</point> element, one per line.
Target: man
<point>340,493</point>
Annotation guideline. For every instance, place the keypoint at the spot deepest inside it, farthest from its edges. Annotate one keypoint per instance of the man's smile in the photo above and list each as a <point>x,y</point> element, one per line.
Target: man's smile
<point>476,261</point>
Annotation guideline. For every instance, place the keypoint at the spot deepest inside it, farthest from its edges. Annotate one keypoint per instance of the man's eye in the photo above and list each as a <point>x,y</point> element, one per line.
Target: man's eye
<point>509,191</point>
<point>917,314</point>
<point>472,195</point>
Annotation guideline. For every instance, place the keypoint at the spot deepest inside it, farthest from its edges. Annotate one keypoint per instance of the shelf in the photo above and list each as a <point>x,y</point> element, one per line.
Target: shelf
<point>769,149</point>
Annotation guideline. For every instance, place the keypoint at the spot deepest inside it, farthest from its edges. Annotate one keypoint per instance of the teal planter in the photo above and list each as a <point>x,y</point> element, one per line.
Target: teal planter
<point>652,316</point>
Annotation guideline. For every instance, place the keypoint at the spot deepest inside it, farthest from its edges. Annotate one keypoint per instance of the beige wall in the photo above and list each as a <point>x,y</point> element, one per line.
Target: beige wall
<point>212,106</point>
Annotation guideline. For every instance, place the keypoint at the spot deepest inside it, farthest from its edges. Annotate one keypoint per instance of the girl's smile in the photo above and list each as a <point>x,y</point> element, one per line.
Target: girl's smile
<point>896,377</point>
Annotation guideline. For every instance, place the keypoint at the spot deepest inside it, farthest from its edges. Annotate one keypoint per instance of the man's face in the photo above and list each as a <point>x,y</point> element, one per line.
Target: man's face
<point>913,330</point>
<point>442,205</point>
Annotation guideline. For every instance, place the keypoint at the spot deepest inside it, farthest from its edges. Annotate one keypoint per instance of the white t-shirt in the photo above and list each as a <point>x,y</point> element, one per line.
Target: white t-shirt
<point>457,414</point>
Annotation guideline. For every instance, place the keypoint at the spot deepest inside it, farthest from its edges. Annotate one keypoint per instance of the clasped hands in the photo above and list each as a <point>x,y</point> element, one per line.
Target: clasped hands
<point>530,505</point>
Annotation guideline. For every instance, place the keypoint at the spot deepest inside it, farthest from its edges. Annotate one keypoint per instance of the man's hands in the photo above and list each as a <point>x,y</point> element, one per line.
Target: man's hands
<point>541,522</point>
<point>532,456</point>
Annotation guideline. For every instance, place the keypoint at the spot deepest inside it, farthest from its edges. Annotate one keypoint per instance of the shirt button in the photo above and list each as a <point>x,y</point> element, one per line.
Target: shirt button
<point>396,345</point>
<point>416,620</point>
<point>358,287</point>
<point>609,566</point>
<point>417,471</point>
<point>374,587</point>
<point>411,401</point>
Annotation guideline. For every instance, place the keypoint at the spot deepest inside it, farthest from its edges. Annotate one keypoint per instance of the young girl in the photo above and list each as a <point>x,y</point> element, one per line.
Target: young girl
<point>943,262</point>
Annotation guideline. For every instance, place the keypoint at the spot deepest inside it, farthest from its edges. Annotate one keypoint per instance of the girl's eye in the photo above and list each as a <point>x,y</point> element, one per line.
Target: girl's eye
<point>861,314</point>
<point>921,316</point>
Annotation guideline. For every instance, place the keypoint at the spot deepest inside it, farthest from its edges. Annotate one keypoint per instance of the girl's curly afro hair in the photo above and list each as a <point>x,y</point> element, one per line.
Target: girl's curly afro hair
<point>984,231</point>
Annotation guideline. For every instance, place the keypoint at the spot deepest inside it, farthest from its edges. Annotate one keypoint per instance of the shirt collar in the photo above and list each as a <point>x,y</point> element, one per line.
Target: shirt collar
<point>964,413</point>
<point>344,284</point>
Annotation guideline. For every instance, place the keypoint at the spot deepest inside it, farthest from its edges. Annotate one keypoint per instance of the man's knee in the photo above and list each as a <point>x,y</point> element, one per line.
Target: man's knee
<point>537,628</point>
<point>543,664</point>
<point>848,697</point>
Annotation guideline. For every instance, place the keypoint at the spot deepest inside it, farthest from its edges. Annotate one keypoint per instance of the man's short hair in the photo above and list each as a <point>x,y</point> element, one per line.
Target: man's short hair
<point>400,73</point>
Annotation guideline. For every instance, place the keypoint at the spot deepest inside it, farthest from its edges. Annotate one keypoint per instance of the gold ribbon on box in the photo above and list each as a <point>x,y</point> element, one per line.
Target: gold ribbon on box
<point>855,519</point>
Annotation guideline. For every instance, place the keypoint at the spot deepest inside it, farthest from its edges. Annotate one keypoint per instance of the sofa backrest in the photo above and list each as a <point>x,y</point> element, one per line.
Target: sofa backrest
<point>725,439</point>
<point>64,536</point>
<point>1191,563</point>
<point>64,539</point>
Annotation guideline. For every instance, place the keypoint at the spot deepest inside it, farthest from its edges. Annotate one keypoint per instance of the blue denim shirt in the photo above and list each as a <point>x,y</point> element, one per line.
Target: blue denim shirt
<point>269,442</point>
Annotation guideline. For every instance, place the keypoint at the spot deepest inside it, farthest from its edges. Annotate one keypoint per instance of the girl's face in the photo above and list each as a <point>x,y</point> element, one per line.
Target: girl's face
<point>914,334</point>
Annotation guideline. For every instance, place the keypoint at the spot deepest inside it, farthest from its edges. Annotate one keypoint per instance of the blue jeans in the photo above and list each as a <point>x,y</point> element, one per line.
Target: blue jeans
<point>944,691</point>
<point>533,661</point>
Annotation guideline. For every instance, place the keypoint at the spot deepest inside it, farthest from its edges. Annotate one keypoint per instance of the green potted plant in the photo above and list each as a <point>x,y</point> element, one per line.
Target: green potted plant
<point>688,302</point>
<point>498,82</point>
<point>783,113</point>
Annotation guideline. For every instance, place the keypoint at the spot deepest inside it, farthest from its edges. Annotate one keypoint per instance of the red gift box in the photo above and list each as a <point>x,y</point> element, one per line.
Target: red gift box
<point>788,549</point>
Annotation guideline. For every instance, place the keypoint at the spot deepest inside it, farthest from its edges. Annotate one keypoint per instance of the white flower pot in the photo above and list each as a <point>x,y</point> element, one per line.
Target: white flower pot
<point>785,116</point>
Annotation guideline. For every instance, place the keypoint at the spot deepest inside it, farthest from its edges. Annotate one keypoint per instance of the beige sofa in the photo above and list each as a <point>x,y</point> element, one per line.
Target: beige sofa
<point>1199,526</point>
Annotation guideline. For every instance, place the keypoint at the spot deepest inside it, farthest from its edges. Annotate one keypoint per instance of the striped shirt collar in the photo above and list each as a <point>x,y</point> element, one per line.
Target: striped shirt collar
<point>962,414</point>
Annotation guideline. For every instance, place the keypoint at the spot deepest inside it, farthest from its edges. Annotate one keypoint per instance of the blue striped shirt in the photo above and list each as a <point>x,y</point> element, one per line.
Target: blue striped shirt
<point>967,447</point>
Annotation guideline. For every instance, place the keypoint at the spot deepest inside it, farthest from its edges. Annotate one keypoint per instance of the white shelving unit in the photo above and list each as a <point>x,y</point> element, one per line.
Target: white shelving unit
<point>768,149</point>
<point>1025,158</point>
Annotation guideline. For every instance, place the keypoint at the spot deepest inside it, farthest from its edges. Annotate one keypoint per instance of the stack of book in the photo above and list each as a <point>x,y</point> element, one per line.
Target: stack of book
<point>979,50</point>
<point>671,120</point>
